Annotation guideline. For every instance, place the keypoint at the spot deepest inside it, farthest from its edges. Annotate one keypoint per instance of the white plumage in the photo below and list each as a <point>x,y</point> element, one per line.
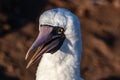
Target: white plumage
<point>64,64</point>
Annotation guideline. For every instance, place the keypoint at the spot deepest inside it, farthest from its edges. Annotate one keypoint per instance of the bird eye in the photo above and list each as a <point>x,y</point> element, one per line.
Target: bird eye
<point>60,30</point>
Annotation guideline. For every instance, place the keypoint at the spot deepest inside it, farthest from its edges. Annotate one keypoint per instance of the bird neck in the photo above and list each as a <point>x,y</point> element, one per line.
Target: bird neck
<point>62,65</point>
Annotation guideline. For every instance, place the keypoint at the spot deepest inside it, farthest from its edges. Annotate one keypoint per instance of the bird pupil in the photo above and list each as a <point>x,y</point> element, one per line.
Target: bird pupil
<point>60,30</point>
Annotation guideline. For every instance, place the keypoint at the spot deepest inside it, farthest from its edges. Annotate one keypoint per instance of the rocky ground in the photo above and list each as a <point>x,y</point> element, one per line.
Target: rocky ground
<point>100,26</point>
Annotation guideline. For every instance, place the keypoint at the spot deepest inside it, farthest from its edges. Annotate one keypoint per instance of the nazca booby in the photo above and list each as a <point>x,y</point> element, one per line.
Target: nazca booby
<point>58,46</point>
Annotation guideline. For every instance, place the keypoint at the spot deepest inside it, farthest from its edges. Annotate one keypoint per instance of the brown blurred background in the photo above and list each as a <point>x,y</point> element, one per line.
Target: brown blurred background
<point>100,25</point>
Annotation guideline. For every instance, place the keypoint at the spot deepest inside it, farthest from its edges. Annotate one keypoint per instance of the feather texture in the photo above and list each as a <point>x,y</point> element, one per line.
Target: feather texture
<point>64,64</point>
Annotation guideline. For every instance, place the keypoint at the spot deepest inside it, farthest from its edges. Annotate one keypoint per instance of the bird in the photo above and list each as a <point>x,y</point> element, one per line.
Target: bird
<point>58,46</point>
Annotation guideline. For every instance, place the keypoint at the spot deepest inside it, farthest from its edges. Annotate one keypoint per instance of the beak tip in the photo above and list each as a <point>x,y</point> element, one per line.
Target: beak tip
<point>29,64</point>
<point>27,67</point>
<point>26,57</point>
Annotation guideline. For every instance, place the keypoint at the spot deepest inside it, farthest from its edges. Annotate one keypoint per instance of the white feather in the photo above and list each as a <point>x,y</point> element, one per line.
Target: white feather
<point>64,64</point>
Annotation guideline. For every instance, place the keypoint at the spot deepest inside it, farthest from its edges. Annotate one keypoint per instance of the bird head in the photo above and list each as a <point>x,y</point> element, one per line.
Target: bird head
<point>55,26</point>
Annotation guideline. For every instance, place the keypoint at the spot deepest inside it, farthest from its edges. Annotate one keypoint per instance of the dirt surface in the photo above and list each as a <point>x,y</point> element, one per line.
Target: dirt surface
<point>100,26</point>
